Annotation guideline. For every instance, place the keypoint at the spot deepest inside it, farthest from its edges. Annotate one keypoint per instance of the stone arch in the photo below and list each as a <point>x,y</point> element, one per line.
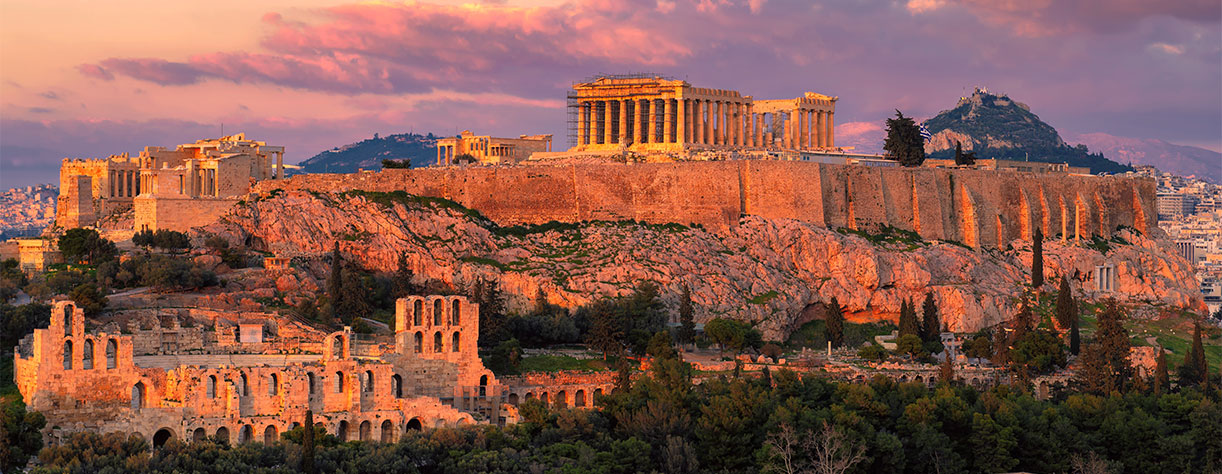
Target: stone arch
<point>454,344</point>
<point>919,379</point>
<point>244,384</point>
<point>483,385</point>
<point>1043,389</point>
<point>335,346</point>
<point>418,341</point>
<point>579,398</point>
<point>310,382</point>
<point>342,431</point>
<point>210,388</point>
<point>246,434</point>
<point>396,385</point>
<point>138,396</point>
<point>68,309</point>
<point>598,392</point>
<point>339,382</point>
<point>388,432</point>
<point>222,435</point>
<point>67,355</point>
<point>269,434</point>
<point>418,312</point>
<point>162,436</point>
<point>438,423</point>
<point>454,312</point>
<point>414,424</point>
<point>198,435</point>
<point>87,354</point>
<point>437,342</point>
<point>904,378</point>
<point>273,385</point>
<point>365,431</point>
<point>513,399</point>
<point>368,381</point>
<point>112,354</point>
<point>530,395</point>
<point>544,398</point>
<point>437,318</point>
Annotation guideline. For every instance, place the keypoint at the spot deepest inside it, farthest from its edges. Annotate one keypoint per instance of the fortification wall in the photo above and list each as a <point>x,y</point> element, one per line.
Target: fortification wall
<point>980,208</point>
<point>180,214</point>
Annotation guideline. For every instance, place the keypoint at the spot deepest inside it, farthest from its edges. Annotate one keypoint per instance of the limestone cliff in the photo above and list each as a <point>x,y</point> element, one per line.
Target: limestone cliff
<point>765,270</point>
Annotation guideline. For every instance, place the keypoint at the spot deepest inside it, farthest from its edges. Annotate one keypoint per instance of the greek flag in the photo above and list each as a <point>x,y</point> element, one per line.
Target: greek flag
<point>925,135</point>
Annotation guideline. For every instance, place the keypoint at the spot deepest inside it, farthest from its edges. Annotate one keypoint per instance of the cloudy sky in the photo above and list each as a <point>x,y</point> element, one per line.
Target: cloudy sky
<point>87,79</point>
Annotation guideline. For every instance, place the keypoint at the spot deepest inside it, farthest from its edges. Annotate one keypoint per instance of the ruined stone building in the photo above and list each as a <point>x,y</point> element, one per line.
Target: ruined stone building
<point>490,150</point>
<point>430,376</point>
<point>168,189</point>
<point>655,114</point>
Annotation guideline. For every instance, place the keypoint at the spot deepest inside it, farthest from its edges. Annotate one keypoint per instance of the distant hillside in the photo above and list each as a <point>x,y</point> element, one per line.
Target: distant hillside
<point>996,126</point>
<point>368,154</point>
<point>1176,159</point>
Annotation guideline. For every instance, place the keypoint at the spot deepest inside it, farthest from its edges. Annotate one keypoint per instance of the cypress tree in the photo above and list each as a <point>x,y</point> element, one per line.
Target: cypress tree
<point>1065,309</point>
<point>1075,339</point>
<point>307,444</point>
<point>1194,369</point>
<point>1105,361</point>
<point>1024,322</point>
<point>904,142</point>
<point>1037,259</point>
<point>932,325</point>
<point>402,284</point>
<point>834,327</point>
<point>687,322</point>
<point>1161,381</point>
<point>908,321</point>
<point>335,282</point>
<point>946,372</point>
<point>1001,348</point>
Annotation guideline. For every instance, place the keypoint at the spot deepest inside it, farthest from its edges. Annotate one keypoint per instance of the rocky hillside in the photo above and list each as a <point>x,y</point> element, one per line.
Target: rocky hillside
<point>996,126</point>
<point>368,154</point>
<point>767,271</point>
<point>1177,159</point>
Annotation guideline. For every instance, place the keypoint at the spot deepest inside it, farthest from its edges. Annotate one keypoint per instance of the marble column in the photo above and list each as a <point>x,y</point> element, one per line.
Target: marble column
<point>736,123</point>
<point>583,121</point>
<point>636,121</point>
<point>831,129</point>
<point>821,128</point>
<point>681,121</point>
<point>651,133</point>
<point>668,114</point>
<point>756,123</point>
<point>803,129</point>
<point>623,122</point>
<point>608,123</point>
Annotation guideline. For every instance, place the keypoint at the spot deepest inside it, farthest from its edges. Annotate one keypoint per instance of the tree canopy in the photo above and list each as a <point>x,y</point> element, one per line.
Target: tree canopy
<point>904,142</point>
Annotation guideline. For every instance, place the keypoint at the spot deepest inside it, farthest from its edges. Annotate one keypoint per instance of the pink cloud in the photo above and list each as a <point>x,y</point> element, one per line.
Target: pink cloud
<point>95,71</point>
<point>1050,17</point>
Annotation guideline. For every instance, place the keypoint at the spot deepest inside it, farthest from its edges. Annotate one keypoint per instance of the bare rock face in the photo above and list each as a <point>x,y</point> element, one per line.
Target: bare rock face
<point>764,271</point>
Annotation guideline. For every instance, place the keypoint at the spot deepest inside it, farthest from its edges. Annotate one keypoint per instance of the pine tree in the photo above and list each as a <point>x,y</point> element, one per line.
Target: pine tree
<point>606,333</point>
<point>1023,323</point>
<point>687,322</point>
<point>335,281</point>
<point>1161,381</point>
<point>1001,348</point>
<point>402,281</point>
<point>904,142</point>
<point>1075,339</point>
<point>932,324</point>
<point>834,324</point>
<point>1194,370</point>
<point>307,444</point>
<point>623,376</point>
<point>946,371</point>
<point>1065,307</point>
<point>908,320</point>
<point>1037,259</point>
<point>1105,361</point>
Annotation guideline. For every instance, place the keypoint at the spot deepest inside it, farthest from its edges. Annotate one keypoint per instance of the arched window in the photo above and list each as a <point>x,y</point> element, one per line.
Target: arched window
<point>112,354</point>
<point>269,435</point>
<point>414,424</point>
<point>138,396</point>
<point>454,342</point>
<point>67,355</point>
<point>337,347</point>
<point>68,320</point>
<point>87,355</point>
<point>454,313</point>
<point>198,435</point>
<point>245,389</point>
<point>339,382</point>
<point>222,435</point>
<point>437,347</point>
<point>579,399</point>
<point>246,433</point>
<point>437,312</point>
<point>561,398</point>
<point>483,385</point>
<point>388,432</point>
<point>419,340</point>
<point>368,380</point>
<point>161,436</point>
<point>342,434</point>
<point>365,431</point>
<point>273,385</point>
<point>310,381</point>
<point>211,389</point>
<point>396,385</point>
<point>417,312</point>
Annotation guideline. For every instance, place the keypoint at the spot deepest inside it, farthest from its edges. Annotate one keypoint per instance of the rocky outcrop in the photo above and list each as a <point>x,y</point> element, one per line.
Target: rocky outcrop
<point>764,270</point>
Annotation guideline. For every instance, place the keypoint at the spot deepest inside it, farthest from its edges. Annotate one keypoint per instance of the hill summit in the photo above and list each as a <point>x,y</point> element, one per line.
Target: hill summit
<point>996,126</point>
<point>369,153</point>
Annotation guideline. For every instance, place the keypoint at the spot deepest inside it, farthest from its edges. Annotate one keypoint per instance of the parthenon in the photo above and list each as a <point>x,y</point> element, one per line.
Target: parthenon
<point>664,115</point>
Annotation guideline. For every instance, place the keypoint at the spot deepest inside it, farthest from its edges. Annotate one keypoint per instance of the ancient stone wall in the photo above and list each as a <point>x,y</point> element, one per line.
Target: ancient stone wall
<point>180,214</point>
<point>980,208</point>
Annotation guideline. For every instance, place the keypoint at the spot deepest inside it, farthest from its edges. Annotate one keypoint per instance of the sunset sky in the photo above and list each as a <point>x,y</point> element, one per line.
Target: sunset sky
<point>89,78</point>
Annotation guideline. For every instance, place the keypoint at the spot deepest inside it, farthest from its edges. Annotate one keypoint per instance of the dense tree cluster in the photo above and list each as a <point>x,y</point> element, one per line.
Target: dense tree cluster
<point>161,272</point>
<point>86,246</point>
<point>162,238</point>
<point>904,142</point>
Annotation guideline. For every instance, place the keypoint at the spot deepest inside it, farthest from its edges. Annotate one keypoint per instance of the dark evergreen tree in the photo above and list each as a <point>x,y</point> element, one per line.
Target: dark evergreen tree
<point>687,321</point>
<point>1194,371</point>
<point>1075,338</point>
<point>964,159</point>
<point>606,331</point>
<point>946,371</point>
<point>904,142</point>
<point>401,282</point>
<point>1023,322</point>
<point>307,443</point>
<point>1001,348</point>
<point>908,320</point>
<point>1161,381</point>
<point>932,323</point>
<point>1065,308</point>
<point>1037,259</point>
<point>833,328</point>
<point>1105,366</point>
